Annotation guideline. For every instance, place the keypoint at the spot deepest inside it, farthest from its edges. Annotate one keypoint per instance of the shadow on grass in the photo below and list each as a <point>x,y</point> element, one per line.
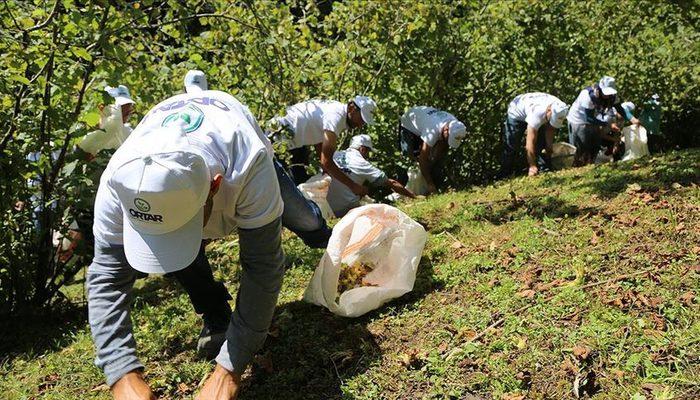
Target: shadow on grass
<point>34,335</point>
<point>682,168</point>
<point>315,351</point>
<point>535,207</point>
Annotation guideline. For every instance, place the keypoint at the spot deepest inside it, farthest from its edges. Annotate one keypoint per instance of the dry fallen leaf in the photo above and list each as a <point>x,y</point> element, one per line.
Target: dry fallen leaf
<point>411,358</point>
<point>527,293</point>
<point>633,188</point>
<point>680,227</point>
<point>581,351</point>
<point>687,298</point>
<point>525,378</point>
<point>653,387</point>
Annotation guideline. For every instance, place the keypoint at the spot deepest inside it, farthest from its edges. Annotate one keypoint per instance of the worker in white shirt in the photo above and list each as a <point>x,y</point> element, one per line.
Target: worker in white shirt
<point>585,120</point>
<point>537,116</point>
<point>197,166</point>
<point>425,133</point>
<point>319,123</point>
<point>114,126</point>
<point>355,163</point>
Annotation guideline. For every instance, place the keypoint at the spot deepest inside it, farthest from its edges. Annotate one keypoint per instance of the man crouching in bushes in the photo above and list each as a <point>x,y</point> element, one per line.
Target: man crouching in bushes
<point>196,167</point>
<point>355,163</point>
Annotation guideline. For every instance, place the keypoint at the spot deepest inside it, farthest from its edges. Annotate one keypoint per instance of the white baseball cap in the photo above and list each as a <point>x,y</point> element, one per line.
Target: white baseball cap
<point>559,110</point>
<point>361,140</point>
<point>162,191</point>
<point>607,85</point>
<point>628,106</point>
<point>195,81</point>
<point>121,95</point>
<point>457,132</point>
<point>367,107</point>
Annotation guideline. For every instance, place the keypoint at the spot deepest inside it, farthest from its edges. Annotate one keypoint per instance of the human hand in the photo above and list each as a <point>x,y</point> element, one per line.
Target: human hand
<point>360,190</point>
<point>222,384</point>
<point>132,387</point>
<point>532,171</point>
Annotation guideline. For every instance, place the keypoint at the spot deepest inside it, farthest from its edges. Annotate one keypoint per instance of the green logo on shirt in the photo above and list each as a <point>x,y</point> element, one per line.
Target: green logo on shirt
<point>142,204</point>
<point>191,118</point>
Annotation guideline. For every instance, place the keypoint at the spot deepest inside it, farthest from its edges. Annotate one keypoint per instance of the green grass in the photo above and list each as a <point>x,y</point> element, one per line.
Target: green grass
<point>588,277</point>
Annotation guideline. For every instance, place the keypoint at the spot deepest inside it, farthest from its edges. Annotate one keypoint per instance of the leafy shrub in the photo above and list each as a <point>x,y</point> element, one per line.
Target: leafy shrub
<point>469,57</point>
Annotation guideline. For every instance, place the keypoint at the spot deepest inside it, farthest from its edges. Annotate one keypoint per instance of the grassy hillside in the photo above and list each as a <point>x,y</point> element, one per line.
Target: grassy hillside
<point>584,280</point>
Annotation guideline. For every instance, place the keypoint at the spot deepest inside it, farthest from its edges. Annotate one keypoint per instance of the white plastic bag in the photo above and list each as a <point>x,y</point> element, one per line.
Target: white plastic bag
<point>563,155</point>
<point>378,235</point>
<point>635,142</point>
<point>603,158</point>
<point>316,190</point>
<point>416,182</point>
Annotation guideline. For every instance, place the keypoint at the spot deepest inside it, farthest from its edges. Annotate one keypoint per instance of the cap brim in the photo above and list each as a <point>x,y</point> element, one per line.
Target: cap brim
<point>193,89</point>
<point>367,117</point>
<point>120,101</point>
<point>161,254</point>
<point>454,142</point>
<point>608,91</point>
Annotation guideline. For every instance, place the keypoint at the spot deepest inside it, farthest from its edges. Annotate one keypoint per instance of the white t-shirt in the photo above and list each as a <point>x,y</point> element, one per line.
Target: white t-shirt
<point>226,135</point>
<point>309,119</point>
<point>426,122</point>
<point>577,112</point>
<point>531,108</point>
<point>112,134</point>
<point>361,171</point>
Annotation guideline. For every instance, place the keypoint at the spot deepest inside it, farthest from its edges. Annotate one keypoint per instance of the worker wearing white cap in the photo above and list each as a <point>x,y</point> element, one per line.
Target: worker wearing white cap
<point>586,118</point>
<point>355,162</point>
<point>114,128</point>
<point>195,81</point>
<point>425,133</point>
<point>319,123</point>
<point>197,166</point>
<point>113,131</point>
<point>537,115</point>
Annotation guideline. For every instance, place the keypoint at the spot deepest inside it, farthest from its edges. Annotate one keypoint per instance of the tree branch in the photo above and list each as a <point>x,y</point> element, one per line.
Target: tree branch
<point>51,16</point>
<point>7,7</point>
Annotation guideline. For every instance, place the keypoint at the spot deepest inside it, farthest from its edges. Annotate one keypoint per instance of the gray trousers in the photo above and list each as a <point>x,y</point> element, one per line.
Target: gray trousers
<point>110,281</point>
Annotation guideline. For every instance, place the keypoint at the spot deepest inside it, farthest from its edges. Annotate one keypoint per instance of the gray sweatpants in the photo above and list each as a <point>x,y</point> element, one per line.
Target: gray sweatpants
<point>110,281</point>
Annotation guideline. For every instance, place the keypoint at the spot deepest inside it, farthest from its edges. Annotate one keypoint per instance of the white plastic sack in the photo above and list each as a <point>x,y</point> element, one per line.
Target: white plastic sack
<point>316,190</point>
<point>603,158</point>
<point>635,142</point>
<point>416,182</point>
<point>376,234</point>
<point>563,155</point>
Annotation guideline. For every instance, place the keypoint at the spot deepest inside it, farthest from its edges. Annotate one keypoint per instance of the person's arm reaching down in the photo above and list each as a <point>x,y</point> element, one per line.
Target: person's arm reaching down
<point>531,149</point>
<point>591,119</point>
<point>329,166</point>
<point>425,167</point>
<point>399,188</point>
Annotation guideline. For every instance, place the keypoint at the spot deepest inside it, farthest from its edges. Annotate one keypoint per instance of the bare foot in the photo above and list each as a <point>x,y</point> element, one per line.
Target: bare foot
<point>222,384</point>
